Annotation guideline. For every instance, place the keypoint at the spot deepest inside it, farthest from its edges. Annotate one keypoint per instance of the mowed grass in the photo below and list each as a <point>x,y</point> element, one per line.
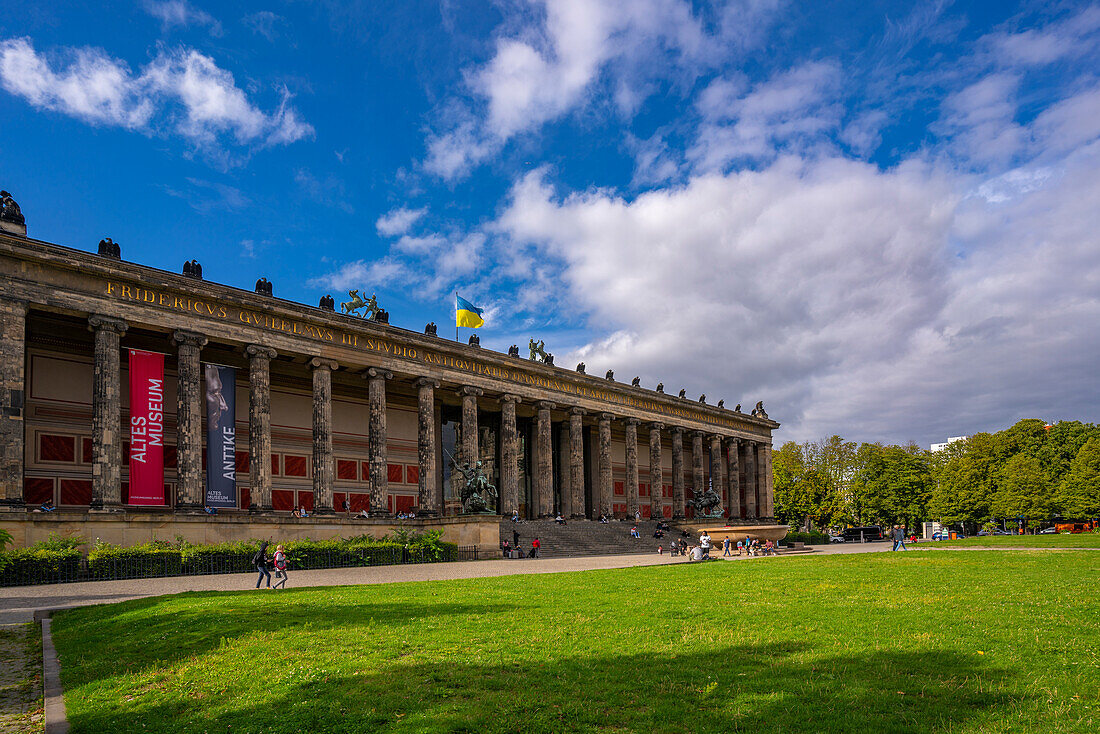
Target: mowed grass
<point>1046,540</point>
<point>883,642</point>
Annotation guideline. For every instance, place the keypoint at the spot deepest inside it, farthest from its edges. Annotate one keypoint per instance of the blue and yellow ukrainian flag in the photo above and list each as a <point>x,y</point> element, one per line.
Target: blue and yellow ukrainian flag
<point>467,314</point>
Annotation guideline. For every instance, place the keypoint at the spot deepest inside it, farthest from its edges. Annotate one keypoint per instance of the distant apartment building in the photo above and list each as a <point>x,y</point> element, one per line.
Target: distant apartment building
<point>941,446</point>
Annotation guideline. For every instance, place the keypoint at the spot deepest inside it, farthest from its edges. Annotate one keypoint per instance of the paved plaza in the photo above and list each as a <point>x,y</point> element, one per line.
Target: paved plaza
<point>17,604</point>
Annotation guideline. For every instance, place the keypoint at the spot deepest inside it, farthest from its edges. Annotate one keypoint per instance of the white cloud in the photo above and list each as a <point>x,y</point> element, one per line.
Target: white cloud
<point>785,112</point>
<point>399,221</point>
<point>182,89</point>
<point>172,13</point>
<point>552,66</point>
<point>1072,36</point>
<point>880,302</point>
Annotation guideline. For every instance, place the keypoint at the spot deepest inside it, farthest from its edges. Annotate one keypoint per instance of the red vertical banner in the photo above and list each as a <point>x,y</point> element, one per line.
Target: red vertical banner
<point>146,428</point>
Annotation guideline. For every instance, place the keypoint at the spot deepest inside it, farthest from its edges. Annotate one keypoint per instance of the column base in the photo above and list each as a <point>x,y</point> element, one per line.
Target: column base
<point>115,508</point>
<point>380,514</point>
<point>429,513</point>
<point>323,512</point>
<point>13,505</point>
<point>191,508</point>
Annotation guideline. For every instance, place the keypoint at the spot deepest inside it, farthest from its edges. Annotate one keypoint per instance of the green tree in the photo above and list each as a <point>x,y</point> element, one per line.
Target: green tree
<point>1078,495</point>
<point>1063,442</point>
<point>965,480</point>
<point>894,484</point>
<point>1022,490</point>
<point>803,494</point>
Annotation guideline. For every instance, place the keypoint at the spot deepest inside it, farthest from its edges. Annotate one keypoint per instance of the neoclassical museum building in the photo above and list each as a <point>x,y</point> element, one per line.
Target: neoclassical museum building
<point>130,390</point>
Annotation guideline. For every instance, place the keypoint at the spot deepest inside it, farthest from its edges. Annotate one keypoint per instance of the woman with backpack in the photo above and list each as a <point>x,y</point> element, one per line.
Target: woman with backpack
<point>280,567</point>
<point>260,562</point>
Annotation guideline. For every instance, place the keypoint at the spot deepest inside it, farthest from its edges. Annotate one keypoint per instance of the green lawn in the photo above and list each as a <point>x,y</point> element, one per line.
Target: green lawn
<point>1051,540</point>
<point>883,643</point>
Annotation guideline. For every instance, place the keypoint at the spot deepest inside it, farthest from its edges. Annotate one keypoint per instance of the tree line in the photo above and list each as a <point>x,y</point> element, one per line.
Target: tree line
<point>1031,470</point>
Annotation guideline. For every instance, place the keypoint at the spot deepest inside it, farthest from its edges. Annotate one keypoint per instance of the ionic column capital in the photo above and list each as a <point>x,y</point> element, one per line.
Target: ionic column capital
<point>188,338</point>
<point>606,417</point>
<point>509,398</point>
<point>545,405</point>
<point>377,373</point>
<point>468,391</point>
<point>577,411</point>
<point>655,426</point>
<point>98,322</point>
<point>318,363</point>
<point>676,430</point>
<point>426,382</point>
<point>259,351</point>
<point>632,422</point>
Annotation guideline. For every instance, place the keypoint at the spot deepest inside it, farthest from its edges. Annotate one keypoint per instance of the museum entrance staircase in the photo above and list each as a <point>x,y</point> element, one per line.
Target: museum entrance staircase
<point>584,537</point>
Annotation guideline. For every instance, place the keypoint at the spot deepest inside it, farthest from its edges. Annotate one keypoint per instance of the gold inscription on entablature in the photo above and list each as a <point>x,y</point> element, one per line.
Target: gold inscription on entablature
<point>259,320</point>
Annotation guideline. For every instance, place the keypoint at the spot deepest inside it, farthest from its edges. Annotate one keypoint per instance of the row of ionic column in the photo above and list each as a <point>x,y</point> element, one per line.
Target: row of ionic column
<point>739,468</point>
<point>107,442</point>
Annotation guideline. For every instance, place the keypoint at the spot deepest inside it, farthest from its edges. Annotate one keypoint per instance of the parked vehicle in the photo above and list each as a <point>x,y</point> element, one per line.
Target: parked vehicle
<point>835,538</point>
<point>865,533</point>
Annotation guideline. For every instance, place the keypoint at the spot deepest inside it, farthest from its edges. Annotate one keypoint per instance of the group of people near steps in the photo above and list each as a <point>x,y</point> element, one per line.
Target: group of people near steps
<point>278,562</point>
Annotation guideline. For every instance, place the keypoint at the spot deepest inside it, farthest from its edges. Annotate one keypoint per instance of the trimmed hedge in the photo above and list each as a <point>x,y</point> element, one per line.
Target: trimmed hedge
<point>59,558</point>
<point>37,565</point>
<point>813,538</point>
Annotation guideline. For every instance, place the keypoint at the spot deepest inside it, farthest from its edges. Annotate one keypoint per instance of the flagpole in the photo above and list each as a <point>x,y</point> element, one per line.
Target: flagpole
<point>456,315</point>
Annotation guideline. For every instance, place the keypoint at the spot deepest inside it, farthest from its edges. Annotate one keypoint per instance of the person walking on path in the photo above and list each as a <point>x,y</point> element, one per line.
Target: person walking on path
<point>280,568</point>
<point>899,537</point>
<point>260,562</point>
<point>535,545</point>
<point>726,547</point>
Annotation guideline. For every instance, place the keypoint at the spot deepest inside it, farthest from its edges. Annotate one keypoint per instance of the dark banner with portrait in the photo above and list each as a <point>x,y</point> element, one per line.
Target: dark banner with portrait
<point>221,436</point>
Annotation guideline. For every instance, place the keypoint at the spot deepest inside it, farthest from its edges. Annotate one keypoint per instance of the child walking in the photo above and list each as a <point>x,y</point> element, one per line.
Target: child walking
<point>280,567</point>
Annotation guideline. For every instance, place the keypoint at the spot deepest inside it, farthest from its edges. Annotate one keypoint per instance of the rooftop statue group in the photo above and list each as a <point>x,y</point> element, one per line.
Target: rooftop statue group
<point>371,310</point>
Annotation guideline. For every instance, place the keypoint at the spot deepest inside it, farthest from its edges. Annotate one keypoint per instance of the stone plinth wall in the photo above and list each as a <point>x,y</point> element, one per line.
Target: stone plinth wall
<point>136,528</point>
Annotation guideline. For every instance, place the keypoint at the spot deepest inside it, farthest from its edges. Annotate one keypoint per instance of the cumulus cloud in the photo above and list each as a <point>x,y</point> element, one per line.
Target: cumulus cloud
<point>551,65</point>
<point>182,91</point>
<point>399,221</point>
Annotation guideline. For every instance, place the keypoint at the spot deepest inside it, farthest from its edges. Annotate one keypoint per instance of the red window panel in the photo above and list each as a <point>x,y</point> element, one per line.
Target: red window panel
<point>666,491</point>
<point>282,499</point>
<point>405,502</point>
<point>618,508</point>
<point>76,492</point>
<point>244,494</point>
<point>294,466</point>
<point>305,499</point>
<point>689,493</point>
<point>645,512</point>
<point>395,474</point>
<point>57,448</point>
<point>643,489</point>
<point>37,490</point>
<point>346,469</point>
<point>412,474</point>
<point>620,488</point>
<point>364,470</point>
<point>389,503</point>
<point>338,501</point>
<point>241,462</point>
<point>360,501</point>
<point>86,450</point>
<point>666,511</point>
<point>274,465</point>
<point>171,457</point>
<point>689,512</point>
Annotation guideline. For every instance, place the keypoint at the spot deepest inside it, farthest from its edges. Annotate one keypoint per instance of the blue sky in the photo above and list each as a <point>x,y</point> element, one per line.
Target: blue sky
<point>879,218</point>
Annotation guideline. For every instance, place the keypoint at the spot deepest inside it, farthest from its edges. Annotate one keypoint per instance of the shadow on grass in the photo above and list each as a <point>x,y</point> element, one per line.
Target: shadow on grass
<point>751,688</point>
<point>172,635</point>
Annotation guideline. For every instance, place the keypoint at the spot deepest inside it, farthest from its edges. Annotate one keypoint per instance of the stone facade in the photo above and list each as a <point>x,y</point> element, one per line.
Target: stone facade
<point>314,435</point>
